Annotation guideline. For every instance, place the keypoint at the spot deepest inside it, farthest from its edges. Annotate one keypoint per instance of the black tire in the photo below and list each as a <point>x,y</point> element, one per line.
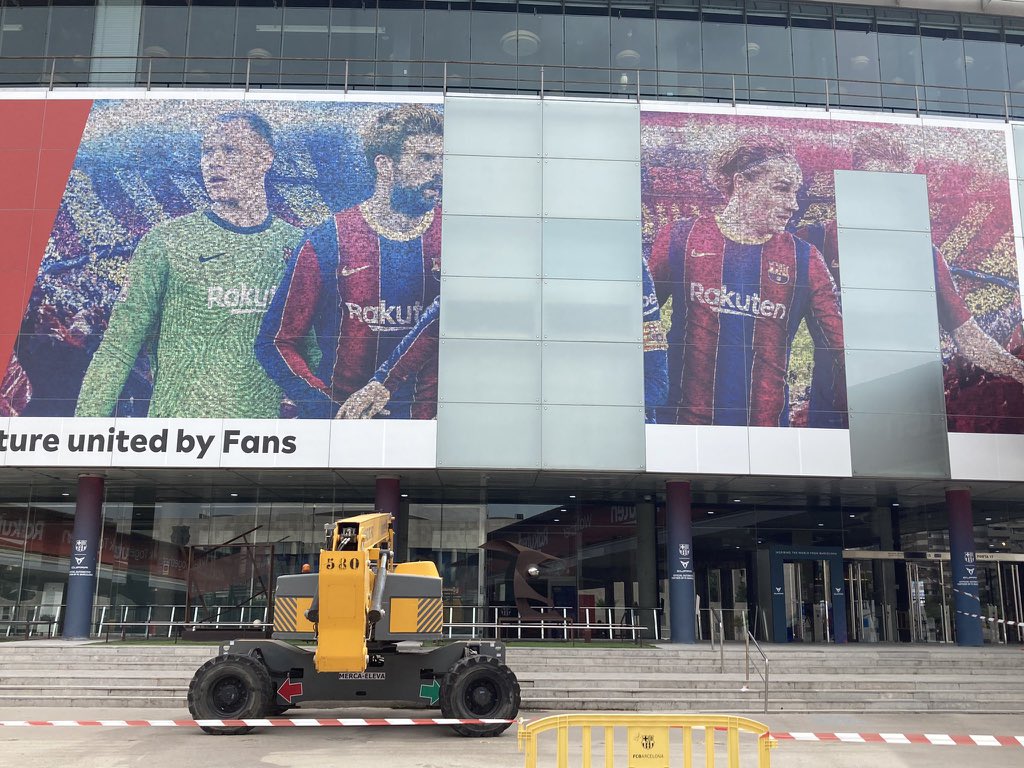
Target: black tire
<point>229,687</point>
<point>480,687</point>
<point>275,710</point>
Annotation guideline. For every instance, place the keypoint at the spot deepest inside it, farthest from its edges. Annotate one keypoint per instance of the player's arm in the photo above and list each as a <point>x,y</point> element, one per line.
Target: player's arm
<point>283,338</point>
<point>414,355</point>
<point>133,319</point>
<point>658,263</point>
<point>655,349</point>
<point>825,324</point>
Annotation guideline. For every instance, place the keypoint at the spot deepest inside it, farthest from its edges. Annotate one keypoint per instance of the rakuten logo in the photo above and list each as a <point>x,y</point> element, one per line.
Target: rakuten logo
<point>383,317</point>
<point>727,302</point>
<point>241,300</point>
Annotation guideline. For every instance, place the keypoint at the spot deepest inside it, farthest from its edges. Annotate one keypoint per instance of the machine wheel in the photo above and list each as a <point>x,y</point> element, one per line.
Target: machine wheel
<point>275,710</point>
<point>229,687</point>
<point>480,687</point>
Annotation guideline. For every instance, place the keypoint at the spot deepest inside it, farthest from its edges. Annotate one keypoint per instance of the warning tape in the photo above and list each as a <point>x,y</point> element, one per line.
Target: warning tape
<point>991,620</point>
<point>261,723</point>
<point>935,739</point>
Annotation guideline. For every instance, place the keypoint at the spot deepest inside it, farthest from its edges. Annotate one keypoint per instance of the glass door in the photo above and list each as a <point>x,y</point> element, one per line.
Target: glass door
<point>999,591</point>
<point>808,601</point>
<point>930,617</point>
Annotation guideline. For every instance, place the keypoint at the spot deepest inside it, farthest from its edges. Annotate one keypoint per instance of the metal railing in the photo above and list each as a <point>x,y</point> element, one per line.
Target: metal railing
<point>345,75</point>
<point>749,662</point>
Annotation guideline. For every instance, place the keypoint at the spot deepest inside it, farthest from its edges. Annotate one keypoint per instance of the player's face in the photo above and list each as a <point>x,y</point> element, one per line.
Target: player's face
<point>768,201</point>
<point>234,162</point>
<point>416,180</point>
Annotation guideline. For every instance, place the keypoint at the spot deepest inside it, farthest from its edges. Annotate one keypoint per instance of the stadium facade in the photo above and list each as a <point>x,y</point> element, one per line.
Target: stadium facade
<point>228,230</point>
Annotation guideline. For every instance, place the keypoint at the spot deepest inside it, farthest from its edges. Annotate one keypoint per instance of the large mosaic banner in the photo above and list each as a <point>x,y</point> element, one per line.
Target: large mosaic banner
<point>741,240</point>
<point>219,260</point>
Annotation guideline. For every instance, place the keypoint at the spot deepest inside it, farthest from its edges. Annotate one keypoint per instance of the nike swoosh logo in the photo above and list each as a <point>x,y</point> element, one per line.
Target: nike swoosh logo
<point>346,271</point>
<point>204,259</point>
<point>699,254</point>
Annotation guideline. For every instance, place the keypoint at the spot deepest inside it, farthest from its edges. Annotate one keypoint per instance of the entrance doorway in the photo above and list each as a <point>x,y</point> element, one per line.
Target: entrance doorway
<point>930,616</point>
<point>1000,593</point>
<point>871,595</point>
<point>808,610</point>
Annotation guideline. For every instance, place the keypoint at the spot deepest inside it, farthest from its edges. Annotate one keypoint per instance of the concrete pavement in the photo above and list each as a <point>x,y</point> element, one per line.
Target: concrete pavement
<point>438,747</point>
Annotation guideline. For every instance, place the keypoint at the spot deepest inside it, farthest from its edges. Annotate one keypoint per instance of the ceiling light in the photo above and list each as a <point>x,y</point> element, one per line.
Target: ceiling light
<point>821,525</point>
<point>987,519</point>
<point>68,494</point>
<point>711,512</point>
<point>520,41</point>
<point>895,503</point>
<point>556,520</point>
<point>572,497</point>
<point>852,516</point>
<point>405,495</point>
<point>627,58</point>
<point>234,494</point>
<point>737,500</point>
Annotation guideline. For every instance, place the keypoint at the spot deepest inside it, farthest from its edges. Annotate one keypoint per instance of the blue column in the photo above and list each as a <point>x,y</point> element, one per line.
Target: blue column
<point>963,559</point>
<point>85,549</point>
<point>681,593</point>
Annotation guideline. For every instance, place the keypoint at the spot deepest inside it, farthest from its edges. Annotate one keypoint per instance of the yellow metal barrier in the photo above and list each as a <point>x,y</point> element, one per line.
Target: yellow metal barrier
<point>647,744</point>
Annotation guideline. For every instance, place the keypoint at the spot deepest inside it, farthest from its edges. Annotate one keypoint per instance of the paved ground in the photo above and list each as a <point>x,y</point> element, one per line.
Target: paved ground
<point>438,747</point>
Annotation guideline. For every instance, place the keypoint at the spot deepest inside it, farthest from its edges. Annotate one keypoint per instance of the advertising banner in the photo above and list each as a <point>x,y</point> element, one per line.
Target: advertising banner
<point>741,240</point>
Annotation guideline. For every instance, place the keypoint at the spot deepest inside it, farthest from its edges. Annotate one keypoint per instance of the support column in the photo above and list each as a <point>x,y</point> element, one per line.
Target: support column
<point>85,546</point>
<point>682,597</point>
<point>962,556</point>
<point>647,565</point>
<point>388,498</point>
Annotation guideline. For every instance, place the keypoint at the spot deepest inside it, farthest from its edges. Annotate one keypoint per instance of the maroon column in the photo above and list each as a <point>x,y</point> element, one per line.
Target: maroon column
<point>681,592</point>
<point>84,559</point>
<point>388,496</point>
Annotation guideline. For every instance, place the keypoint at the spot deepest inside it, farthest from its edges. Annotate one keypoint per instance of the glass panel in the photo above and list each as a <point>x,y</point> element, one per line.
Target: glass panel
<point>513,246</point>
<point>910,445</point>
<point>857,51</point>
<point>164,28</point>
<point>600,249</point>
<point>71,28</point>
<point>446,38</point>
<point>493,186</point>
<point>895,320</point>
<point>770,54</point>
<point>353,43</point>
<point>25,35</point>
<point>500,436</point>
<point>1018,149</point>
<point>894,382</point>
<point>592,310</point>
<point>306,36</point>
<point>679,58</point>
<point>593,437</point>
<point>400,46</point>
<point>724,48</point>
<point>589,373</point>
<point>490,308</point>
<point>1015,63</point>
<point>496,37</point>
<point>540,45</point>
<point>591,189</point>
<point>633,47</point>
<point>211,32</point>
<point>814,56</point>
<point>986,75</point>
<point>258,42</point>
<point>874,200</point>
<point>900,68</point>
<point>613,130</point>
<point>886,259</point>
<point>588,44</point>
<point>492,127</point>
<point>484,371</point>
<point>944,66</point>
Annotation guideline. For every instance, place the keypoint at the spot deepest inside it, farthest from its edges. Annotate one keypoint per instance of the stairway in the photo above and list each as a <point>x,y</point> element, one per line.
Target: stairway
<point>867,678</point>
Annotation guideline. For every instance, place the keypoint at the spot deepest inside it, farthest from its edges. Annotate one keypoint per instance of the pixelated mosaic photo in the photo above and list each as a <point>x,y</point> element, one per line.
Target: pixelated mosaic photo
<point>741,241</point>
<point>218,260</point>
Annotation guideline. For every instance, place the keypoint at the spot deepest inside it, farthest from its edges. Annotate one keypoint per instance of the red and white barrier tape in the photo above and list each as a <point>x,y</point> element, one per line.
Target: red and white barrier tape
<point>261,723</point>
<point>935,739</point>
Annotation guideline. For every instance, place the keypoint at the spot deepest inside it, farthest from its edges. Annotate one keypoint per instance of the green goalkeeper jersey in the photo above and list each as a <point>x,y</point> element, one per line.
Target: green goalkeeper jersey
<point>196,293</point>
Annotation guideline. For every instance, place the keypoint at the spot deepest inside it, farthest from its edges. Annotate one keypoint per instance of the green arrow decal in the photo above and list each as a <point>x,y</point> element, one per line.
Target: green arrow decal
<point>432,691</point>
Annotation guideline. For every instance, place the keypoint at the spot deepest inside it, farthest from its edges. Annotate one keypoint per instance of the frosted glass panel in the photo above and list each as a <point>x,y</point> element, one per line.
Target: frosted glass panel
<point>492,127</point>
<point>584,249</point>
<point>612,130</point>
<point>1018,149</point>
<point>593,373</point>
<point>499,436</point>
<point>871,200</point>
<point>913,445</point>
<point>886,259</point>
<point>489,246</point>
<point>591,189</point>
<point>592,310</point>
<point>897,320</point>
<point>593,437</point>
<point>485,371</point>
<point>490,308</point>
<point>492,186</point>
<point>894,382</point>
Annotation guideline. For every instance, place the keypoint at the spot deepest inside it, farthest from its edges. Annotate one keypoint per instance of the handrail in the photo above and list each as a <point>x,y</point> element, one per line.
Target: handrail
<point>247,73</point>
<point>748,663</point>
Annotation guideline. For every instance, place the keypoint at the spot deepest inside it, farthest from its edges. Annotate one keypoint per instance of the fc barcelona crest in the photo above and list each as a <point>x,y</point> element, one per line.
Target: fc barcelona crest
<point>778,272</point>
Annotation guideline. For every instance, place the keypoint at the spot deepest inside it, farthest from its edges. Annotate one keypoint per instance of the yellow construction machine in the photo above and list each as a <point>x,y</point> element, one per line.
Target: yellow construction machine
<point>371,618</point>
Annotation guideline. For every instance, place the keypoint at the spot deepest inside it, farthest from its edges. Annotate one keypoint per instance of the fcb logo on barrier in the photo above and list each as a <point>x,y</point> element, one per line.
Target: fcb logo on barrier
<point>778,273</point>
<point>81,545</point>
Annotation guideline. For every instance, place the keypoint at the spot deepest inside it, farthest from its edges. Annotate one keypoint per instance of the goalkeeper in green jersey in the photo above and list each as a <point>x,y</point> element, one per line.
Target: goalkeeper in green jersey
<point>197,288</point>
